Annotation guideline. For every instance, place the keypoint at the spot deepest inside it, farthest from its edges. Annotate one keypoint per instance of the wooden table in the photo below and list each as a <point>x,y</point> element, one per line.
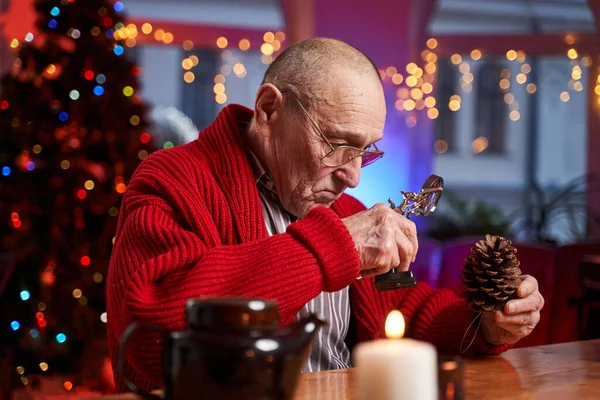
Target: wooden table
<point>567,371</point>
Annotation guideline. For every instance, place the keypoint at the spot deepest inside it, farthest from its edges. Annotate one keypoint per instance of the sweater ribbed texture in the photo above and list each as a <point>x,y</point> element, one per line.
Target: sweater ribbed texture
<point>191,226</point>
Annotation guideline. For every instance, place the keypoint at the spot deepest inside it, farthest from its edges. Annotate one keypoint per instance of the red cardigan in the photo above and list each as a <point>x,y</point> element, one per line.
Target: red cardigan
<point>191,225</point>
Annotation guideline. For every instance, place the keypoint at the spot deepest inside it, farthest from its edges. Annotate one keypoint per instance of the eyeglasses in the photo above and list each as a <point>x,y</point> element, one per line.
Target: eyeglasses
<point>341,154</point>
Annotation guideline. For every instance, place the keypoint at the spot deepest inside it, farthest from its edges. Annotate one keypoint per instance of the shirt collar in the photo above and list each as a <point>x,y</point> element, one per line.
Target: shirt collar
<point>257,168</point>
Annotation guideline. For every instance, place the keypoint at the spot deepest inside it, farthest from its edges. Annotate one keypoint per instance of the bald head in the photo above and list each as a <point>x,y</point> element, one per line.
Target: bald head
<point>311,64</point>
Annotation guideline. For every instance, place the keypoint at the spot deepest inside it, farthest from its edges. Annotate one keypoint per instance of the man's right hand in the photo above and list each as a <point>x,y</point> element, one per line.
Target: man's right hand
<point>384,240</point>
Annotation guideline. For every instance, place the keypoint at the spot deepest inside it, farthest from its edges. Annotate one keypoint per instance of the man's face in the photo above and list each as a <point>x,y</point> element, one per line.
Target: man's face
<point>351,112</point>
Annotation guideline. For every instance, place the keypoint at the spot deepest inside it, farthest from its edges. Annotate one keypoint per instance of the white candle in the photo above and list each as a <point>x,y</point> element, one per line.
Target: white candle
<point>396,368</point>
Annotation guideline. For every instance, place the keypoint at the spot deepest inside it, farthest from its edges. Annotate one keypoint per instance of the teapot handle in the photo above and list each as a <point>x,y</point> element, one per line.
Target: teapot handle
<point>122,357</point>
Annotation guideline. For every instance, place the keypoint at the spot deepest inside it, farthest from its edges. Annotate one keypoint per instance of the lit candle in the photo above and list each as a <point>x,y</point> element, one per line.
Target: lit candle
<point>396,368</point>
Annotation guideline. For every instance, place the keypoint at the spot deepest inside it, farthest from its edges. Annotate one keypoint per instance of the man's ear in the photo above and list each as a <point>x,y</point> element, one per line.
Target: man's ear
<point>267,108</point>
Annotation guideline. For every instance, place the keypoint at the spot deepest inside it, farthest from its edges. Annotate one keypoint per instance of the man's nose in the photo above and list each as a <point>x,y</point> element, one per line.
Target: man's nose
<point>349,173</point>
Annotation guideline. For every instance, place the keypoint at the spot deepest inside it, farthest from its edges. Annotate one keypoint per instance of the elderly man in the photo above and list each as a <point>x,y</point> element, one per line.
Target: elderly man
<point>256,207</point>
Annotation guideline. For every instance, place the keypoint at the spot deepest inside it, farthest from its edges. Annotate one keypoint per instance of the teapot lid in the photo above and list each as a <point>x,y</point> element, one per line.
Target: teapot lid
<point>232,313</point>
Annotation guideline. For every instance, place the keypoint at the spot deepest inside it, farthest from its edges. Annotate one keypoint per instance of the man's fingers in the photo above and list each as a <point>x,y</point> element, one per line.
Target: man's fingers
<point>527,286</point>
<point>405,251</point>
<point>409,229</point>
<point>533,302</point>
<point>512,322</point>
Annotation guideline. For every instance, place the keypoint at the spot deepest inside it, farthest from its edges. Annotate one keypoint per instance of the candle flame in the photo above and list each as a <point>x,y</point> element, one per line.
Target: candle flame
<point>394,325</point>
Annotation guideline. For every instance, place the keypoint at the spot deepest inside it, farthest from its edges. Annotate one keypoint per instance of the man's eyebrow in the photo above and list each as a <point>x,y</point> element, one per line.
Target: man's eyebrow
<point>348,135</point>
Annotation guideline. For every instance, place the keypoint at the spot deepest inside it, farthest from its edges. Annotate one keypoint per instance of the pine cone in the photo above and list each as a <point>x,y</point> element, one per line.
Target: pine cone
<point>491,274</point>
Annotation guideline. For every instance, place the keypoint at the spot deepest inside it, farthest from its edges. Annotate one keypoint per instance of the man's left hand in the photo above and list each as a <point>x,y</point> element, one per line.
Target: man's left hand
<point>518,318</point>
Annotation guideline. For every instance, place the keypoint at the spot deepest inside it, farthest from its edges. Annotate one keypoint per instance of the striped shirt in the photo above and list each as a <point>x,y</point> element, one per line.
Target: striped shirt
<point>329,351</point>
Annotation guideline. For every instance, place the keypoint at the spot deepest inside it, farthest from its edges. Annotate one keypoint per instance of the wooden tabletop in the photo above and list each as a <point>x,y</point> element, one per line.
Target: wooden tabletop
<point>556,372</point>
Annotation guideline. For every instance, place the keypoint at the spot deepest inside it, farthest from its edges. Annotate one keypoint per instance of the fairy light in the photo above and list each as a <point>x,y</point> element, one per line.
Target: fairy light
<point>222,42</point>
<point>479,145</point>
<point>220,98</point>
<point>147,28</point>
<point>402,93</point>
<point>440,146</point>
<point>511,55</point>
<point>572,54</point>
<point>187,64</point>
<point>430,68</point>
<point>98,278</point>
<point>475,54</point>
<point>433,113</point>
<point>266,49</point>
<point>564,96</point>
<point>134,120</point>
<point>239,69</point>
<point>168,38</point>
<point>569,39</point>
<point>244,44</point>
<point>159,34</point>
<point>427,88</point>
<point>430,102</point>
<point>531,88</point>
<point>269,37</point>
<point>416,94</point>
<point>189,77</point>
<point>411,121</point>
<point>219,88</point>
<point>432,43</point>
<point>456,59</point>
<point>280,36</point>
<point>431,58</point>
<point>411,68</point>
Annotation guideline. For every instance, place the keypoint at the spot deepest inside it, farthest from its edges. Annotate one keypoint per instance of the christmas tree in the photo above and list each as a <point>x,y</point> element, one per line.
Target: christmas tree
<point>72,132</point>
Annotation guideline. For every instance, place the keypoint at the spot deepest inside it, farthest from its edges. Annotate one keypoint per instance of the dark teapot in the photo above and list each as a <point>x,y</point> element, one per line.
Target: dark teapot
<point>233,349</point>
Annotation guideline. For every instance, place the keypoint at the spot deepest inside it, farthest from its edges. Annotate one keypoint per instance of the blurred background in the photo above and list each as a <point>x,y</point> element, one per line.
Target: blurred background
<point>500,98</point>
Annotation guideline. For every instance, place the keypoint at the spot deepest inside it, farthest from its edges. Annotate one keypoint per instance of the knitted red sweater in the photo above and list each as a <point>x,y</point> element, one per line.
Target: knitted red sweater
<point>191,226</point>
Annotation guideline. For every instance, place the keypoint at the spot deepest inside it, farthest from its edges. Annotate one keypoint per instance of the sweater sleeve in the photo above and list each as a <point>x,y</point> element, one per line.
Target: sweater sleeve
<point>158,264</point>
<point>442,318</point>
<point>438,317</point>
